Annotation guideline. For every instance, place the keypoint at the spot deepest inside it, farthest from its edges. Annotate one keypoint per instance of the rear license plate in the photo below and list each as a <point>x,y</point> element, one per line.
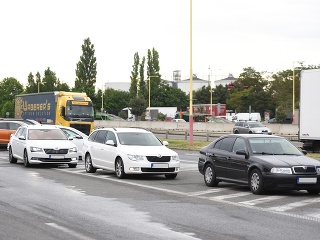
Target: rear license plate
<point>159,165</point>
<point>306,180</point>
<point>56,156</point>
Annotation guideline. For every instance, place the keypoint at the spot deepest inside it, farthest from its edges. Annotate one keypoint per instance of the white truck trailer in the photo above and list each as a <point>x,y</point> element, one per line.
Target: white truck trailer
<point>309,128</point>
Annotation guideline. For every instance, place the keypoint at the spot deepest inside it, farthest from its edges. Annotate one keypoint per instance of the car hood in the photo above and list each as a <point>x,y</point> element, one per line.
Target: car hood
<point>148,150</point>
<point>289,160</point>
<point>51,144</point>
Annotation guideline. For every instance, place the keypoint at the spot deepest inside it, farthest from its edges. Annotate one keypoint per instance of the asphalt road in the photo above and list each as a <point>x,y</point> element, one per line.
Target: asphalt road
<point>55,202</point>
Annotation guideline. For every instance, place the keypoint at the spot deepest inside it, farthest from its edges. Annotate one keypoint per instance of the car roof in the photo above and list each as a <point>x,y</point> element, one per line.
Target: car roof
<point>41,126</point>
<point>254,135</point>
<point>125,129</point>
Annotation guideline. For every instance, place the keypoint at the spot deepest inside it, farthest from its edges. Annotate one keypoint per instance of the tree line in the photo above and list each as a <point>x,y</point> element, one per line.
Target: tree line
<point>261,91</point>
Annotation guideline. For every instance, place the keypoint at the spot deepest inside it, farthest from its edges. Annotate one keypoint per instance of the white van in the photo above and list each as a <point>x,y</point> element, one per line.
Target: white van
<point>246,117</point>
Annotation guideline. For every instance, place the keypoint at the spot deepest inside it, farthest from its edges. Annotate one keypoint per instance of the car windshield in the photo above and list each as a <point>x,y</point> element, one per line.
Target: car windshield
<point>138,139</point>
<point>255,124</point>
<point>273,146</point>
<point>46,134</point>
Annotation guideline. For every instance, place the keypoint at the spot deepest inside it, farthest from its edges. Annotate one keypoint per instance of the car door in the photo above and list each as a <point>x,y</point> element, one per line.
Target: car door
<point>238,163</point>
<point>18,145</point>
<point>220,156</point>
<point>98,153</point>
<point>110,151</point>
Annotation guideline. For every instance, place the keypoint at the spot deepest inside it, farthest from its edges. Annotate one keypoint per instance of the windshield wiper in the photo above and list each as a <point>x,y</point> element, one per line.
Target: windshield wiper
<point>264,153</point>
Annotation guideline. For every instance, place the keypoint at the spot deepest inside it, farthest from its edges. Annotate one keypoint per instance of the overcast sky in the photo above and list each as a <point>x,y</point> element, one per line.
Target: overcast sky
<point>228,35</point>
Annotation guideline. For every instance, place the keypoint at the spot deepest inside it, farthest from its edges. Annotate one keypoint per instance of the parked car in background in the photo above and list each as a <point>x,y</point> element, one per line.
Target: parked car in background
<point>262,162</point>
<point>178,120</point>
<point>8,127</point>
<point>78,137</point>
<point>36,144</point>
<point>251,127</point>
<point>129,151</point>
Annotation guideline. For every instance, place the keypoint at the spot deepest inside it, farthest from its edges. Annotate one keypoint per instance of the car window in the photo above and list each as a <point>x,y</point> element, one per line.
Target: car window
<point>3,125</point>
<point>92,136</point>
<point>69,132</point>
<point>14,126</point>
<point>255,124</point>
<point>23,132</point>
<point>18,132</point>
<point>217,144</point>
<point>227,143</point>
<point>245,124</point>
<point>273,146</point>
<point>239,144</point>
<point>240,124</point>
<point>101,137</point>
<point>111,136</point>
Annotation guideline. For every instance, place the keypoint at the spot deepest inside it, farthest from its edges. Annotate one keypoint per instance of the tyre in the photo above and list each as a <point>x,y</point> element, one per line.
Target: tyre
<point>26,159</point>
<point>12,159</point>
<point>88,164</point>
<point>171,176</point>
<point>313,191</point>
<point>236,132</point>
<point>210,176</point>
<point>119,168</point>
<point>72,165</point>
<point>256,182</point>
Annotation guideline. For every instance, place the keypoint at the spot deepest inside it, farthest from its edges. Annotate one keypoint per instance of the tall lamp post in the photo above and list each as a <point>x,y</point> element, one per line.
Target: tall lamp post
<point>293,89</point>
<point>190,105</point>
<point>150,92</point>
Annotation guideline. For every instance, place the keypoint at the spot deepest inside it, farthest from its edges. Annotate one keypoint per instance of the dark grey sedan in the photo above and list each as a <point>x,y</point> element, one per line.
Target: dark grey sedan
<point>262,162</point>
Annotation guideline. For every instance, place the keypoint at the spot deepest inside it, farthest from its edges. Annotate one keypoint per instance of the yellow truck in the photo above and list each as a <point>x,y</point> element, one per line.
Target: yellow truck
<point>71,109</point>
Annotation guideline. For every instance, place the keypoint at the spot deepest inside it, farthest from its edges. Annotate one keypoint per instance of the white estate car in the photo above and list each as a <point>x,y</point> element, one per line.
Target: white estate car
<point>36,144</point>
<point>78,137</point>
<point>129,151</point>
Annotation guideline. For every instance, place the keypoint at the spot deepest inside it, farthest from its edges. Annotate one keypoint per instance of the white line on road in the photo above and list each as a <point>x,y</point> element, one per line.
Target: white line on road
<point>261,200</point>
<point>69,231</point>
<point>294,205</point>
<point>240,194</point>
<point>214,190</point>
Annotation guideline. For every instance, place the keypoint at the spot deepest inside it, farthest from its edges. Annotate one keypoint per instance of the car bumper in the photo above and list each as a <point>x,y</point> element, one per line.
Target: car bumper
<point>39,158</point>
<point>291,182</point>
<point>133,167</point>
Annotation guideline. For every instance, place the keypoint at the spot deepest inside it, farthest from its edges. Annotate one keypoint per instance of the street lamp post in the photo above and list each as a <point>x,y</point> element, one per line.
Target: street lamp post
<point>190,105</point>
<point>293,88</point>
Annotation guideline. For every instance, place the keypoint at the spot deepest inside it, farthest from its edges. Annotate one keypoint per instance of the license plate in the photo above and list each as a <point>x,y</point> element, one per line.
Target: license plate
<point>159,165</point>
<point>306,180</point>
<point>56,156</point>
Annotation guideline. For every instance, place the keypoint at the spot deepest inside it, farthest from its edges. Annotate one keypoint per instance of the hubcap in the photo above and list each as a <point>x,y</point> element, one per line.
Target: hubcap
<point>255,180</point>
<point>88,163</point>
<point>208,175</point>
<point>118,168</point>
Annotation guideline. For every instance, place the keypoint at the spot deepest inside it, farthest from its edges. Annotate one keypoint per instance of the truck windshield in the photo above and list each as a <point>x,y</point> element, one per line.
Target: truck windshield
<point>76,111</point>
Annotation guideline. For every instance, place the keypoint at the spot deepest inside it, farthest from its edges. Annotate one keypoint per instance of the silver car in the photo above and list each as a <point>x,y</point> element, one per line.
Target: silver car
<point>251,127</point>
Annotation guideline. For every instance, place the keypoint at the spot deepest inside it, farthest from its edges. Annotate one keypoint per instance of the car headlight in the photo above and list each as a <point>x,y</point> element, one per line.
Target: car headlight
<point>281,170</point>
<point>35,149</point>
<point>134,157</point>
<point>175,158</point>
<point>73,149</point>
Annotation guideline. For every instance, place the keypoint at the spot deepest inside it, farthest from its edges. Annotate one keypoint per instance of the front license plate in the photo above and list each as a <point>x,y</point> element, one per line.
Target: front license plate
<point>159,165</point>
<point>56,156</point>
<point>306,180</point>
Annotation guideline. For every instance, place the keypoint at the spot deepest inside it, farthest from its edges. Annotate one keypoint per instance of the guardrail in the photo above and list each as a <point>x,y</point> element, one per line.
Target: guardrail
<point>289,131</point>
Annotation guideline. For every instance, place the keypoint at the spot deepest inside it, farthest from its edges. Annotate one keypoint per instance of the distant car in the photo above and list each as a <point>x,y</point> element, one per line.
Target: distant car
<point>129,151</point>
<point>272,120</point>
<point>178,120</point>
<point>262,162</point>
<point>250,127</point>
<point>36,144</point>
<point>8,127</point>
<point>78,137</point>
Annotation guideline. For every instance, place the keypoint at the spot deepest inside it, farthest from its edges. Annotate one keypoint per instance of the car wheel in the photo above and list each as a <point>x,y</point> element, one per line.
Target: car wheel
<point>72,165</point>
<point>119,168</point>
<point>236,132</point>
<point>210,176</point>
<point>171,176</point>
<point>256,182</point>
<point>25,159</point>
<point>12,159</point>
<point>88,164</point>
<point>250,132</point>
<point>313,191</point>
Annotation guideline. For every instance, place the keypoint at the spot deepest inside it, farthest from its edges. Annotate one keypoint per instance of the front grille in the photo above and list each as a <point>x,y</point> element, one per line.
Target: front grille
<point>158,159</point>
<point>304,170</point>
<point>85,128</point>
<point>54,160</point>
<point>157,170</point>
<point>55,151</point>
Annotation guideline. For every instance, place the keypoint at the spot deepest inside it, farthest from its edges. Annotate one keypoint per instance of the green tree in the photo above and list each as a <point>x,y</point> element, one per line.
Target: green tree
<point>202,95</point>
<point>86,70</point>
<point>9,88</point>
<point>138,106</point>
<point>115,100</point>
<point>49,81</point>
<point>134,76</point>
<point>220,94</point>
<point>142,83</point>
<point>62,86</point>
<point>32,86</point>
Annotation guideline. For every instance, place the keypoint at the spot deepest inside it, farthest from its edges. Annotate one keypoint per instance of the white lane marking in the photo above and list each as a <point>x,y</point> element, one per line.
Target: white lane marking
<point>310,218</point>
<point>295,205</point>
<point>69,231</point>
<point>261,200</point>
<point>315,215</point>
<point>240,194</point>
<point>214,190</point>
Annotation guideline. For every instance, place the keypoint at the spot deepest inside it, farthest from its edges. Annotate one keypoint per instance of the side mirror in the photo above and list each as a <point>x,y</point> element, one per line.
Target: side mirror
<point>165,143</point>
<point>22,137</point>
<point>70,138</point>
<point>243,152</point>
<point>110,142</point>
<point>304,152</point>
